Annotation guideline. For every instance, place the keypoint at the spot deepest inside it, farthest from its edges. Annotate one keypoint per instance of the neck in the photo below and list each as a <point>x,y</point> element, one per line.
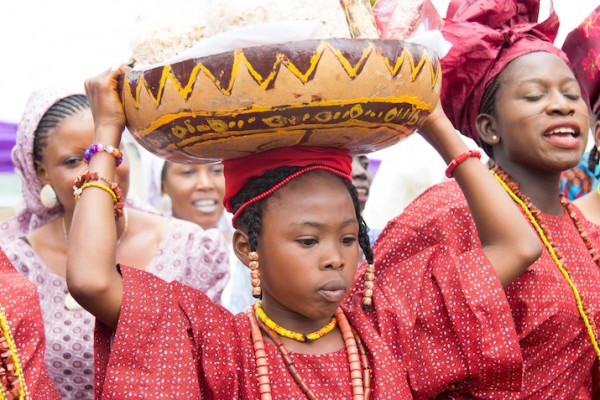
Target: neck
<point>292,320</point>
<point>542,189</point>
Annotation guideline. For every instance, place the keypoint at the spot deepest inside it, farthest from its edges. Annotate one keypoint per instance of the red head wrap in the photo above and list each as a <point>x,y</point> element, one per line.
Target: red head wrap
<point>486,35</point>
<point>582,46</point>
<point>239,170</point>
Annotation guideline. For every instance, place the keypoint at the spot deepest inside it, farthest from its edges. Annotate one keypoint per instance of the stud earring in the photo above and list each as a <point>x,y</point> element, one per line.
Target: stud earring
<point>255,275</point>
<point>369,285</point>
<point>494,137</point>
<point>48,196</point>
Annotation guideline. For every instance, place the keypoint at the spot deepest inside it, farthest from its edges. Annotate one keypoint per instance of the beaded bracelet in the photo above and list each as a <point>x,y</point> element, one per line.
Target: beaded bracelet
<point>97,147</point>
<point>99,186</point>
<point>464,156</point>
<point>87,179</point>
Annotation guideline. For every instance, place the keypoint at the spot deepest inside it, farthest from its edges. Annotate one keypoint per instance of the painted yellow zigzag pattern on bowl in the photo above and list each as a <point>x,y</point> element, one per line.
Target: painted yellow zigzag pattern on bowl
<point>265,81</point>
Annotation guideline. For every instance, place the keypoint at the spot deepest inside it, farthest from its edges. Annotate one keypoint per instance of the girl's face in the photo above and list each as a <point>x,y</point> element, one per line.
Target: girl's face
<point>196,192</point>
<point>541,121</point>
<point>62,158</point>
<point>361,178</point>
<point>308,248</point>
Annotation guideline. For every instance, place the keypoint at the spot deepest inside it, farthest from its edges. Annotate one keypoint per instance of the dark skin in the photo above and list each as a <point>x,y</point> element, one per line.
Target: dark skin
<point>62,161</point>
<point>196,192</point>
<point>308,239</point>
<point>589,204</point>
<point>361,178</point>
<point>322,243</point>
<point>539,125</point>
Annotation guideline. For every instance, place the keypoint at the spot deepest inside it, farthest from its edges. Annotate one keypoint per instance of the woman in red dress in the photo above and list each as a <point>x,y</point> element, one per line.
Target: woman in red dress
<point>507,86</point>
<point>22,371</point>
<point>582,46</point>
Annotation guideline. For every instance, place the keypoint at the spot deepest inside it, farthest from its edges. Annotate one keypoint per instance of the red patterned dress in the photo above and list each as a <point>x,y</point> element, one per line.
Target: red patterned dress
<point>558,357</point>
<point>173,342</point>
<point>20,308</point>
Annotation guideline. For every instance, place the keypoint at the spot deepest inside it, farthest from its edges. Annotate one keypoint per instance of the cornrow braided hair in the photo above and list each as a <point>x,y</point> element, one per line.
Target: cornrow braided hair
<point>488,106</point>
<point>250,218</point>
<point>594,157</point>
<point>61,110</point>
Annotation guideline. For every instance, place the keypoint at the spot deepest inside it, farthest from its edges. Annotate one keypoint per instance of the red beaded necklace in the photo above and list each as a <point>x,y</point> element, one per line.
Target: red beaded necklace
<point>357,356</point>
<point>534,215</point>
<point>12,381</point>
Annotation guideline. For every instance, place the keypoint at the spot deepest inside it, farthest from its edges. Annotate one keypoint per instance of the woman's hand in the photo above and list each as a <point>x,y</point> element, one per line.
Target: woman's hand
<point>436,116</point>
<point>105,103</point>
<point>440,133</point>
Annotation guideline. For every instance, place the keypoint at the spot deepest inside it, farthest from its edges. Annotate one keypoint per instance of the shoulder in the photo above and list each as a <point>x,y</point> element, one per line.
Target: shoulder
<point>191,307</point>
<point>589,206</point>
<point>439,216</point>
<point>153,222</point>
<point>442,202</point>
<point>21,255</point>
<point>586,210</point>
<point>49,237</point>
<point>5,264</point>
<point>445,193</point>
<point>196,234</point>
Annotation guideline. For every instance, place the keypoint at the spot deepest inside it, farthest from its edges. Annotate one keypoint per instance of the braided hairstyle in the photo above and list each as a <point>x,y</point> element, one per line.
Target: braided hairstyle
<point>250,218</point>
<point>594,157</point>
<point>61,110</point>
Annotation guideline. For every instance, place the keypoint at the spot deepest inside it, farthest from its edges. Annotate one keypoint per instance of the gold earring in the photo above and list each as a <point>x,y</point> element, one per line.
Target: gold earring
<point>255,275</point>
<point>48,196</point>
<point>369,285</point>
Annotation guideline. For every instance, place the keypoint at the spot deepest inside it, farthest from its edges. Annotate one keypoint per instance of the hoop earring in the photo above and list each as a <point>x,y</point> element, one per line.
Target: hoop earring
<point>165,205</point>
<point>48,196</point>
<point>255,275</point>
<point>367,300</point>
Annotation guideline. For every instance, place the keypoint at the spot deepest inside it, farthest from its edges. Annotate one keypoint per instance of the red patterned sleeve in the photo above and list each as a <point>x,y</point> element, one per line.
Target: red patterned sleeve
<point>20,307</point>
<point>155,351</point>
<point>440,305</point>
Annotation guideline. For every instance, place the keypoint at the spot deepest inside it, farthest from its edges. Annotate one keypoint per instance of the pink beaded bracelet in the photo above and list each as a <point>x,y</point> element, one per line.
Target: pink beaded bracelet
<point>97,147</point>
<point>464,156</point>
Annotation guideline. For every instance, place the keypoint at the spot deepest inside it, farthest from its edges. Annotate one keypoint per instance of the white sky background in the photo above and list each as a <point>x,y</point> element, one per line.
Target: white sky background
<point>62,42</point>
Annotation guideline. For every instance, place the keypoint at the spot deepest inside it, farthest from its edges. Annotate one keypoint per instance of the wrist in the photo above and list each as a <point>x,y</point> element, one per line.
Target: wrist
<point>108,135</point>
<point>459,160</point>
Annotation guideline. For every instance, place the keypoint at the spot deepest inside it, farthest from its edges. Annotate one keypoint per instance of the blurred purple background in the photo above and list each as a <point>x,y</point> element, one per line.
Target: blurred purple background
<point>8,133</point>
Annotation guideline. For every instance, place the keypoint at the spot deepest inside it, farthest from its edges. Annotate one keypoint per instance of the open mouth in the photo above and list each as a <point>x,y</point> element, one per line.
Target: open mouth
<point>363,193</point>
<point>565,136</point>
<point>206,206</point>
<point>563,131</point>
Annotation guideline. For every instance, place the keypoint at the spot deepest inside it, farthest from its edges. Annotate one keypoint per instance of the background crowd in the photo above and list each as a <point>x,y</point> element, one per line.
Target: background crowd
<point>494,301</point>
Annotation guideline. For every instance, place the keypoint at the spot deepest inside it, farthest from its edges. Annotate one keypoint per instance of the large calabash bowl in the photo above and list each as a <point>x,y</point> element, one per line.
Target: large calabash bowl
<point>359,94</point>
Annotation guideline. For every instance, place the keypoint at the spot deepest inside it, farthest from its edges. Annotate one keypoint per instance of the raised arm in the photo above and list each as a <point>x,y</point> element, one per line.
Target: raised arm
<point>508,241</point>
<point>92,276</point>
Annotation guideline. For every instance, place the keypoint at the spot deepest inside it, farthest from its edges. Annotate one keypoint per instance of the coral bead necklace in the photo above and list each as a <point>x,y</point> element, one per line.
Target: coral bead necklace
<point>534,215</point>
<point>359,367</point>
<point>12,381</point>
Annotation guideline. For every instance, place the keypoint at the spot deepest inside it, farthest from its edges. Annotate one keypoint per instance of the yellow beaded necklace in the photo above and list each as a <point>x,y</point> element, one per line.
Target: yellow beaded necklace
<point>537,224</point>
<point>12,381</point>
<point>311,337</point>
